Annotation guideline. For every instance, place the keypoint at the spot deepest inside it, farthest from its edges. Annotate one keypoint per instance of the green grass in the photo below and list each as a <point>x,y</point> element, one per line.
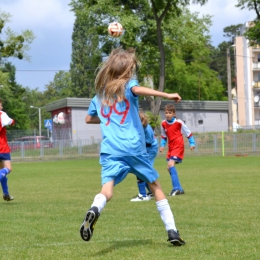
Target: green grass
<point>218,216</point>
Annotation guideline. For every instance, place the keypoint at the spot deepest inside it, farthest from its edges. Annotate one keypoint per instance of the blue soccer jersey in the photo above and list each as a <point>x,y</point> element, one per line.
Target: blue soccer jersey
<point>121,127</point>
<point>151,143</point>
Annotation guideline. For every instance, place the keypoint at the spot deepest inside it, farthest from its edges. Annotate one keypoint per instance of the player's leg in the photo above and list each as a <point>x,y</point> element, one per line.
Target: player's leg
<point>166,214</point>
<point>142,167</point>
<point>92,215</point>
<point>176,185</point>
<point>113,172</point>
<point>5,168</point>
<point>142,196</point>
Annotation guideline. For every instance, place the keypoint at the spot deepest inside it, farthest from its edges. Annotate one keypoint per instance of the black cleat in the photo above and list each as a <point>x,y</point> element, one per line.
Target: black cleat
<point>174,238</point>
<point>8,197</point>
<point>87,227</point>
<point>176,192</point>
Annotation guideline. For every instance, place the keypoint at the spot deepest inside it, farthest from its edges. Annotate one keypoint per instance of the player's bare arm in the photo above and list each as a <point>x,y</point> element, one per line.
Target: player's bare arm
<point>92,119</point>
<point>161,149</point>
<point>143,91</point>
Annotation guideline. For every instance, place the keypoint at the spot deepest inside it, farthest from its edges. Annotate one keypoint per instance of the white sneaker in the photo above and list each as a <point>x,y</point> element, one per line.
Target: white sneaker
<point>141,198</point>
<point>149,194</point>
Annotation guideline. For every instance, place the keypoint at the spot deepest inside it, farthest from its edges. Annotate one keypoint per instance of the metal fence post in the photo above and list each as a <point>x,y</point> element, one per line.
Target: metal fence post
<point>60,148</point>
<point>254,142</point>
<point>79,147</point>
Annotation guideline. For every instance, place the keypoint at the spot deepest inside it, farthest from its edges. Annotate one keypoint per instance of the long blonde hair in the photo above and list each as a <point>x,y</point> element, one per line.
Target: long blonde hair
<point>114,73</point>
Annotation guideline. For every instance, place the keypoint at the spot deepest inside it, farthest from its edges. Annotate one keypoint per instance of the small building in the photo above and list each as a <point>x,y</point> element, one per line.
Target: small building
<point>69,117</point>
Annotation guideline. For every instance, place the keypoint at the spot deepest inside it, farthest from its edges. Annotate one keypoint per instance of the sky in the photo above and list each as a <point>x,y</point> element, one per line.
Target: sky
<point>52,23</point>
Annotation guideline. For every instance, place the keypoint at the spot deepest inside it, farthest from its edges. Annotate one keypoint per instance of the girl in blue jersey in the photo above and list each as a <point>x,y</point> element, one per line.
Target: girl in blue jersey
<point>151,144</point>
<point>123,149</point>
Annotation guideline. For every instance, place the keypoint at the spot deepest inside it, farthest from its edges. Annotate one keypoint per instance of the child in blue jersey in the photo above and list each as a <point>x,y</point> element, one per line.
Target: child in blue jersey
<point>152,150</point>
<point>115,107</point>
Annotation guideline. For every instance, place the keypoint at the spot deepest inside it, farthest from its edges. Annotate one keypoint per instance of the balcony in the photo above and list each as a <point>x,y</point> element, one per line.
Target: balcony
<point>256,65</point>
<point>256,85</point>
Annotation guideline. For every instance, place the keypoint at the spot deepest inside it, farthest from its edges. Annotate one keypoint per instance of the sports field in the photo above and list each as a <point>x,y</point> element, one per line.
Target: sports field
<point>219,215</point>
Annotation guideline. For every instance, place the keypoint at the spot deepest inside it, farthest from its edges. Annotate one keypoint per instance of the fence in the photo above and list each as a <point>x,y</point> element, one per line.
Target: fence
<point>221,144</point>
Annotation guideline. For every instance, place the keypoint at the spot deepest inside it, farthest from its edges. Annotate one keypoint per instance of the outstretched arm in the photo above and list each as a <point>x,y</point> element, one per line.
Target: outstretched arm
<point>143,91</point>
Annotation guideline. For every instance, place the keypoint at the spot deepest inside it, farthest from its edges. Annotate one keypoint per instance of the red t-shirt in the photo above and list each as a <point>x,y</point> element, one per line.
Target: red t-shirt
<point>172,132</point>
<point>4,121</point>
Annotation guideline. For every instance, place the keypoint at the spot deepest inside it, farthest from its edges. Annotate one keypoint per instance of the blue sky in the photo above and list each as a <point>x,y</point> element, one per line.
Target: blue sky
<point>52,23</point>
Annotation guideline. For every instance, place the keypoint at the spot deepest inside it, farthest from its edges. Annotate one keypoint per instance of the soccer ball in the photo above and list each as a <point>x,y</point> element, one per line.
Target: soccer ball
<point>115,29</point>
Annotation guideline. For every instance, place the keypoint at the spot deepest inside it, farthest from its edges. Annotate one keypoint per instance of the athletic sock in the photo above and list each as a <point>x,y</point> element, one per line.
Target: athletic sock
<point>4,185</point>
<point>141,187</point>
<point>175,179</point>
<point>147,187</point>
<point>3,173</point>
<point>166,214</point>
<point>99,201</point>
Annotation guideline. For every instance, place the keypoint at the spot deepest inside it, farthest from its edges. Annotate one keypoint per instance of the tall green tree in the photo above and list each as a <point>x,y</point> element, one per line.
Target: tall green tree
<point>144,22</point>
<point>13,45</point>
<point>189,70</point>
<point>86,54</point>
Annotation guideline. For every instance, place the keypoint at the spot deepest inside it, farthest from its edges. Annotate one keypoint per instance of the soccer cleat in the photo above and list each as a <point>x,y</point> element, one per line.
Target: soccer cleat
<point>150,194</point>
<point>174,238</point>
<point>176,192</point>
<point>87,227</point>
<point>140,197</point>
<point>8,197</point>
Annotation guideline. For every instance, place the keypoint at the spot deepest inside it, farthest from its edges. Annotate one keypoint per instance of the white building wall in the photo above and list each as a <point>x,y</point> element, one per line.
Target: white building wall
<point>81,130</point>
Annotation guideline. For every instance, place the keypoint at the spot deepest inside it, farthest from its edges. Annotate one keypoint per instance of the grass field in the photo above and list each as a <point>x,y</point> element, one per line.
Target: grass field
<point>219,215</point>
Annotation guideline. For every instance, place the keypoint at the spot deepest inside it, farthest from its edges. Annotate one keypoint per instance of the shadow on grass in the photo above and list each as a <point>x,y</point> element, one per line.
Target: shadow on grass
<point>118,245</point>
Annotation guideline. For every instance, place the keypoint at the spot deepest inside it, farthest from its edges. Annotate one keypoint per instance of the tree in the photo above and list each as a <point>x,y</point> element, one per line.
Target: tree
<point>14,45</point>
<point>253,32</point>
<point>144,20</point>
<point>12,95</point>
<point>232,31</point>
<point>60,87</point>
<point>85,55</point>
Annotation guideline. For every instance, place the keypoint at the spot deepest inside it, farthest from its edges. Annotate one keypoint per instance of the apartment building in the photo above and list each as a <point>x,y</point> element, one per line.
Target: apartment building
<point>246,96</point>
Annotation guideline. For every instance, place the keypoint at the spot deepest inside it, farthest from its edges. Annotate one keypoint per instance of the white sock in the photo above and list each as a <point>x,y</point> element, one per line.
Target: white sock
<point>99,202</point>
<point>166,214</point>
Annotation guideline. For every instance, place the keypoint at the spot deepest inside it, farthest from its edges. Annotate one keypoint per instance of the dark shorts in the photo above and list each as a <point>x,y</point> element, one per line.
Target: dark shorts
<point>175,158</point>
<point>5,157</point>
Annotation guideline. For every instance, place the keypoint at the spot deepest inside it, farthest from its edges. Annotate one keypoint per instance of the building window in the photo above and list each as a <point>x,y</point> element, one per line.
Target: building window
<point>258,57</point>
<point>258,76</point>
<point>200,122</point>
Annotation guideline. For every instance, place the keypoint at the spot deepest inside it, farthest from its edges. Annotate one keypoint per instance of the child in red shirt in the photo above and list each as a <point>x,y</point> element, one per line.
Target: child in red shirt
<point>5,157</point>
<point>172,130</point>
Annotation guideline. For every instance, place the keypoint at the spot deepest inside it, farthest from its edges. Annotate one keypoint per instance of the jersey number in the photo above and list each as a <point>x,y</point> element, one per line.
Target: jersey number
<point>113,108</point>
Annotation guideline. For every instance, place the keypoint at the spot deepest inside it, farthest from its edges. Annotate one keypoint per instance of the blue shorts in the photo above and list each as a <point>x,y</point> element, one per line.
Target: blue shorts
<point>5,157</point>
<point>117,167</point>
<point>175,158</point>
